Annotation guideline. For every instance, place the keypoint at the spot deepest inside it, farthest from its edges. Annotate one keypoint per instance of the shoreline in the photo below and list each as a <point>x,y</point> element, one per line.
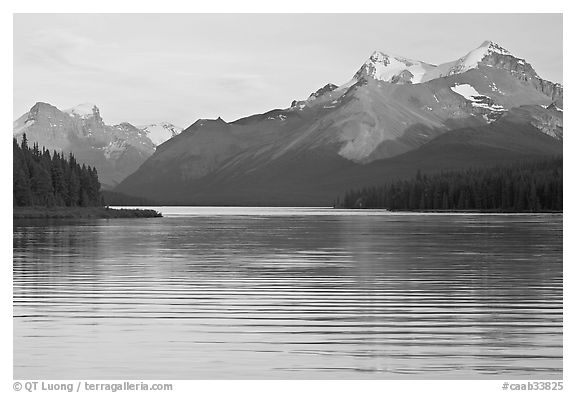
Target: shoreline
<point>59,212</point>
<point>480,211</point>
<point>460,211</point>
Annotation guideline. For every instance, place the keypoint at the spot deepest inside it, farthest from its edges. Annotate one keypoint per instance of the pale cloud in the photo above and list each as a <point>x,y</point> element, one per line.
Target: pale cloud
<point>55,48</point>
<point>150,67</point>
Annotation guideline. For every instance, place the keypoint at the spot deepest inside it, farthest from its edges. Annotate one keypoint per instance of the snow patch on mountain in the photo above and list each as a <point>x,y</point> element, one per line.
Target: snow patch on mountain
<point>84,111</point>
<point>393,69</point>
<point>470,61</point>
<point>280,117</point>
<point>400,70</point>
<point>484,105</point>
<point>495,88</point>
<point>467,91</point>
<point>553,106</point>
<point>159,133</point>
<point>478,100</point>
<point>114,148</point>
<point>473,58</point>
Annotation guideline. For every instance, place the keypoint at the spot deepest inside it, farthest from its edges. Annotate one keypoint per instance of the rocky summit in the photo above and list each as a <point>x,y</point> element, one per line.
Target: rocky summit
<point>115,150</point>
<point>394,117</point>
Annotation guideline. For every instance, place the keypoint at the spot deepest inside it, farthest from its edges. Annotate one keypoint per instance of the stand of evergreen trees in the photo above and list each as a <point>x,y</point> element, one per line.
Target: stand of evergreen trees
<point>42,179</point>
<point>524,187</point>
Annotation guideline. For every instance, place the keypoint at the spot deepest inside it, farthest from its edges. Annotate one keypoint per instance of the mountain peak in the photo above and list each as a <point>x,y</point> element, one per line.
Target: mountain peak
<point>84,110</point>
<point>202,122</point>
<point>476,56</point>
<point>493,47</point>
<point>323,90</point>
<point>393,69</point>
<point>488,53</point>
<point>41,107</point>
<point>378,56</point>
<point>41,104</point>
<point>160,132</point>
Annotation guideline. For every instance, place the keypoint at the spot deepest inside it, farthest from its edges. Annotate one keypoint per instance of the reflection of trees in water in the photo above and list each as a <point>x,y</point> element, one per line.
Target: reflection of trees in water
<point>484,252</point>
<point>255,247</point>
<point>48,249</point>
<point>498,277</point>
<point>390,288</point>
<point>55,256</point>
<point>477,252</point>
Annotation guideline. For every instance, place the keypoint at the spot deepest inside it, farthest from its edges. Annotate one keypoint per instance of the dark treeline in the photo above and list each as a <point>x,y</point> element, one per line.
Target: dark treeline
<point>44,179</point>
<point>527,186</point>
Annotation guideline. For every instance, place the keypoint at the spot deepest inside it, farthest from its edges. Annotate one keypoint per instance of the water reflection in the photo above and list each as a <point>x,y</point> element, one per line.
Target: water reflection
<point>284,295</point>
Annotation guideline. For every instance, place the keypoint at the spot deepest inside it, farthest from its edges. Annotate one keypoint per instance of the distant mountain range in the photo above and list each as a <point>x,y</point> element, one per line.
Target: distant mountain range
<point>115,150</point>
<point>394,117</point>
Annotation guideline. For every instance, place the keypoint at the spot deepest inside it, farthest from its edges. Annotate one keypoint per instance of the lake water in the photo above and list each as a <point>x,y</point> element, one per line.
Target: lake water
<point>282,293</point>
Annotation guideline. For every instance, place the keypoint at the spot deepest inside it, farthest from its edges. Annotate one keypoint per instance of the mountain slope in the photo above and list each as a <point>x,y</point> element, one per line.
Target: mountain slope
<point>301,154</point>
<point>314,178</point>
<point>116,151</point>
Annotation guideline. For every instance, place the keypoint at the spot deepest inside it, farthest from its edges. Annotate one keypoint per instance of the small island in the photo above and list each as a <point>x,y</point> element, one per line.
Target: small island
<point>55,186</point>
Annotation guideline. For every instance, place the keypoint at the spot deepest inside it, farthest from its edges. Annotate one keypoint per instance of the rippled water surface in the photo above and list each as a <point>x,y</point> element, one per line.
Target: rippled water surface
<point>214,293</point>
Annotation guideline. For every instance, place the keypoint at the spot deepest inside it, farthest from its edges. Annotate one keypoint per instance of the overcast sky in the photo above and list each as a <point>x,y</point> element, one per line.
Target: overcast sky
<point>165,67</point>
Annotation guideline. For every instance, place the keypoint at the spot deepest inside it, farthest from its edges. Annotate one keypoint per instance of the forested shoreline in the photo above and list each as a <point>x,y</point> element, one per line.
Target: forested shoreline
<point>44,179</point>
<point>534,186</point>
<point>46,185</point>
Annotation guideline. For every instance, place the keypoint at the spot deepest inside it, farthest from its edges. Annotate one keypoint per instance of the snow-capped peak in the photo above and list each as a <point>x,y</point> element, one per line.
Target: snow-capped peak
<point>470,61</point>
<point>397,69</point>
<point>393,69</point>
<point>160,132</point>
<point>84,111</point>
<point>493,47</point>
<point>473,58</point>
<point>378,57</point>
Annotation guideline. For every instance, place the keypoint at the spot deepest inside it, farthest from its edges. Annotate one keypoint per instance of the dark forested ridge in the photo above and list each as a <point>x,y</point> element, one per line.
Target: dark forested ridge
<point>54,186</point>
<point>43,179</point>
<point>523,187</point>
